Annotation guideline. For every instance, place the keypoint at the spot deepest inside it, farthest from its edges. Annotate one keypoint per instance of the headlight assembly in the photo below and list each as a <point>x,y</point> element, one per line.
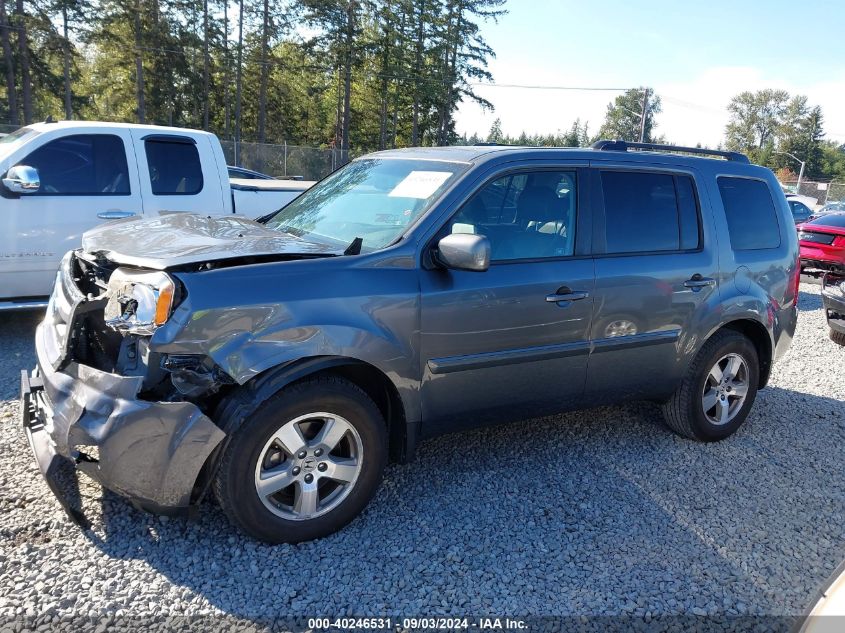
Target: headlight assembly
<point>139,302</point>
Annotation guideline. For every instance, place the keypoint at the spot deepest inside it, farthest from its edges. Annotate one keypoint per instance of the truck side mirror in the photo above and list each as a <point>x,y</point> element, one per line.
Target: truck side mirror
<point>464,251</point>
<point>22,179</point>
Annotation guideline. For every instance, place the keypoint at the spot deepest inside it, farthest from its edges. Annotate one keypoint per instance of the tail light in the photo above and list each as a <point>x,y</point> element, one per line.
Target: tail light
<point>796,280</point>
<point>839,241</point>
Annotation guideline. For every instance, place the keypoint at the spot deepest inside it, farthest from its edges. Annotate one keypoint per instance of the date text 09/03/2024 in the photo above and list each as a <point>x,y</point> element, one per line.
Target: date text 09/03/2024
<point>487,623</point>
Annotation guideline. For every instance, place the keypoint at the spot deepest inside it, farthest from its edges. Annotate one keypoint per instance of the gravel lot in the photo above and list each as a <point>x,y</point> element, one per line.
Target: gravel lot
<point>602,512</point>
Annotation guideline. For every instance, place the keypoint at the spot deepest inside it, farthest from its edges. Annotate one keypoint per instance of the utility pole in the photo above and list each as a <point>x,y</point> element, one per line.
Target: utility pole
<point>238,81</point>
<point>643,115</point>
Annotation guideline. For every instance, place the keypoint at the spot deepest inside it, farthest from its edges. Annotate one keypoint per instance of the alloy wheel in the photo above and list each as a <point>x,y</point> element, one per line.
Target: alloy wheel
<point>309,466</point>
<point>725,389</point>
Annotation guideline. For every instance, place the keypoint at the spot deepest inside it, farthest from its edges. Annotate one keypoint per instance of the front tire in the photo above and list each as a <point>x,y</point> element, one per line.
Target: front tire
<point>304,463</point>
<point>837,337</point>
<point>718,391</point>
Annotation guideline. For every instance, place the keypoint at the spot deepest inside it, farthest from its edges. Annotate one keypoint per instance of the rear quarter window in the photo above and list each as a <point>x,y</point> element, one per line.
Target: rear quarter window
<point>750,212</point>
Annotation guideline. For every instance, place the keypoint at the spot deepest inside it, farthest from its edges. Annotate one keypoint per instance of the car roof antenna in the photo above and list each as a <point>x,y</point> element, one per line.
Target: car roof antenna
<point>355,247</point>
<point>49,119</point>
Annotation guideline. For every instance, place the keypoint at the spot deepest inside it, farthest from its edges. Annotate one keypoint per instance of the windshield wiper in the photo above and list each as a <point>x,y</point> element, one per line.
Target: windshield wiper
<point>355,247</point>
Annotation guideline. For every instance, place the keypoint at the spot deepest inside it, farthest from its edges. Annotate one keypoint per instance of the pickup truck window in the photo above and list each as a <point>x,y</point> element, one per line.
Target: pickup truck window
<point>175,168</point>
<point>375,199</point>
<point>11,142</point>
<point>81,165</point>
<point>15,136</point>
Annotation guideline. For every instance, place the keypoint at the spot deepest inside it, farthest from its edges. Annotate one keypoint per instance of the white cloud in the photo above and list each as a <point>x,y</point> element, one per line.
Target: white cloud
<point>694,109</point>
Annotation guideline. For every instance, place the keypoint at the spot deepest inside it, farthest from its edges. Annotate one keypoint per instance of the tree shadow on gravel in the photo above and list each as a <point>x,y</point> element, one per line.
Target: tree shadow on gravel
<point>17,336</point>
<point>808,301</point>
<point>597,512</point>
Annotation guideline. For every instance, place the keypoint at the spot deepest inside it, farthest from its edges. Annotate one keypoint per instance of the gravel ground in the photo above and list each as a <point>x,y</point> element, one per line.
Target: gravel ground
<point>603,512</point>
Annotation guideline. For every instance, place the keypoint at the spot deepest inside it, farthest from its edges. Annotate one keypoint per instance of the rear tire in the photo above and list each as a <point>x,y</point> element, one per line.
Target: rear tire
<point>718,391</point>
<point>316,450</point>
<point>837,337</point>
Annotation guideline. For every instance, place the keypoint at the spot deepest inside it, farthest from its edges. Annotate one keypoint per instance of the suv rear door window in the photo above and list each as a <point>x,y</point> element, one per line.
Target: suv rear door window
<point>649,212</point>
<point>750,212</point>
<point>81,165</point>
<point>175,168</point>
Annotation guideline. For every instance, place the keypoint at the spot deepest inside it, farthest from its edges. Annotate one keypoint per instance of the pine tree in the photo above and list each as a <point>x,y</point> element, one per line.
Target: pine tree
<point>9,64</point>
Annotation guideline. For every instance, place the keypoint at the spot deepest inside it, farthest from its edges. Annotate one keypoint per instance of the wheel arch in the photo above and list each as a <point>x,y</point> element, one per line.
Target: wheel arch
<point>759,336</point>
<point>237,405</point>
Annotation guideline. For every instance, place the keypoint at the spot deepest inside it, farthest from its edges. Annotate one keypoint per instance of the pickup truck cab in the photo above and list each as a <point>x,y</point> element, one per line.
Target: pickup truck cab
<point>61,179</point>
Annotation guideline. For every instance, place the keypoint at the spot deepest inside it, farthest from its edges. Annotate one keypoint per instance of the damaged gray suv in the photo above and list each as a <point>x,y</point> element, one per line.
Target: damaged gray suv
<point>280,364</point>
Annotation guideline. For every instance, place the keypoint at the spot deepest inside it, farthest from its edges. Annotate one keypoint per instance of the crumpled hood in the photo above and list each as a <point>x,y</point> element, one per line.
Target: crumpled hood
<point>176,239</point>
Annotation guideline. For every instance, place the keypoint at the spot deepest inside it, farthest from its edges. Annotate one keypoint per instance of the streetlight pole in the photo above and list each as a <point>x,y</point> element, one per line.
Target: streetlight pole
<point>800,173</point>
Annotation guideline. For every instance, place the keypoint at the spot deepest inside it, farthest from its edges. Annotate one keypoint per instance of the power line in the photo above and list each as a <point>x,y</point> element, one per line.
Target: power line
<point>542,87</point>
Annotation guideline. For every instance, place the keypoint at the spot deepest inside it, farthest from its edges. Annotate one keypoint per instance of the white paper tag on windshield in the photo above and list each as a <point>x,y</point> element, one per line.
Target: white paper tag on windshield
<point>420,184</point>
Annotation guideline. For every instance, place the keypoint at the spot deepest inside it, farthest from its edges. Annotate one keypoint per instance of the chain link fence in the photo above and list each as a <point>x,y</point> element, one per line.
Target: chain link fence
<point>823,192</point>
<point>284,161</point>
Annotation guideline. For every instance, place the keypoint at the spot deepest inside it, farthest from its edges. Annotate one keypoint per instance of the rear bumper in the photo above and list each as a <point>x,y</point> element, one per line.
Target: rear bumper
<point>823,258</point>
<point>834,308</point>
<point>149,452</point>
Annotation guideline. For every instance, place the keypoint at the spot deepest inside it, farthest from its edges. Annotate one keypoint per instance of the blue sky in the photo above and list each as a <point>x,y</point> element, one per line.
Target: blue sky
<point>695,54</point>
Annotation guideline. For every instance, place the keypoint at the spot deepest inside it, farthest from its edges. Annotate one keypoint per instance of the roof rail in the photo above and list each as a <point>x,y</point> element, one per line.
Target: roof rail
<point>623,146</point>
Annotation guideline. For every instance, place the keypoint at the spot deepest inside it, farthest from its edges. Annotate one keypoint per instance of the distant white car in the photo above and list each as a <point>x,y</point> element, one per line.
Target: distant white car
<point>61,179</point>
<point>809,201</point>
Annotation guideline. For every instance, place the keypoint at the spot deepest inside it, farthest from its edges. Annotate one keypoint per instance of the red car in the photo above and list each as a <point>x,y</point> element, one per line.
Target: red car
<point>822,242</point>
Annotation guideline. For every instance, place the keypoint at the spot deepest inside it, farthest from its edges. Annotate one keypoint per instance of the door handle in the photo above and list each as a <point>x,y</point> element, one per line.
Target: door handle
<point>564,294</point>
<point>115,215</point>
<point>697,282</point>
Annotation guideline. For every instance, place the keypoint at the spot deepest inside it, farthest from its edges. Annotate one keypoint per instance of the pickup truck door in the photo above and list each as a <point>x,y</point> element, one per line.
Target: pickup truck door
<point>86,178</point>
<point>179,173</point>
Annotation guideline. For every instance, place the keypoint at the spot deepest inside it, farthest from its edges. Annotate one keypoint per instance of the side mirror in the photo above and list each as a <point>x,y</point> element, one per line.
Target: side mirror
<point>464,251</point>
<point>22,179</point>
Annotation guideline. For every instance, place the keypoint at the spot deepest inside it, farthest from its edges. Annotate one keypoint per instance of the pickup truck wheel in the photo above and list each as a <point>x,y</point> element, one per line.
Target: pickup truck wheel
<point>837,337</point>
<point>304,463</point>
<point>718,391</point>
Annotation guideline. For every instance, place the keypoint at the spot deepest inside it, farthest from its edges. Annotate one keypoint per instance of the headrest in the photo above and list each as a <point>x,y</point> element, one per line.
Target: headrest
<point>539,204</point>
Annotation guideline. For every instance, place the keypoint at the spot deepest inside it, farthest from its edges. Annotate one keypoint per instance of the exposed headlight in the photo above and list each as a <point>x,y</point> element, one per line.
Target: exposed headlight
<point>139,302</point>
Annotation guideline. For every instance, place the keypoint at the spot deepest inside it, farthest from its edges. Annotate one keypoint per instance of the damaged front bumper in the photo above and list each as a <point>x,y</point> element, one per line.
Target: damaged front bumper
<point>150,452</point>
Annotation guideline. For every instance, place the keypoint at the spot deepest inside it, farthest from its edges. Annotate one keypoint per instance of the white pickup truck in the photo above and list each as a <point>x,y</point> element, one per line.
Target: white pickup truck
<point>61,179</point>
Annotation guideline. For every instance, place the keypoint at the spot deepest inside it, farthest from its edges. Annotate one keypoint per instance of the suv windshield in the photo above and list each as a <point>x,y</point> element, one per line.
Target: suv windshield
<point>375,199</point>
